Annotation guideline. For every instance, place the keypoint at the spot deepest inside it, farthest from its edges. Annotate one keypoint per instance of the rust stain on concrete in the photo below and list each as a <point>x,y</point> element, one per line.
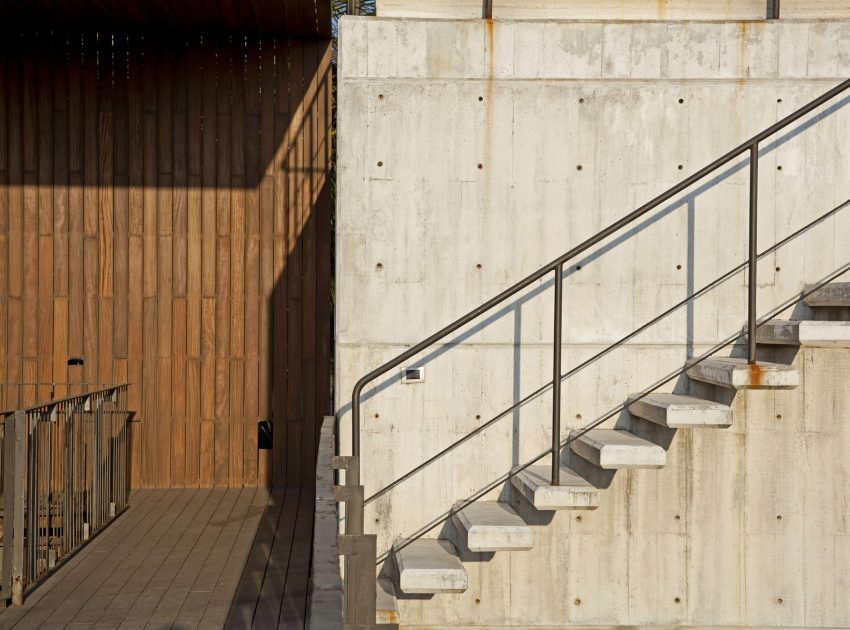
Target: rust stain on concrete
<point>756,375</point>
<point>742,50</point>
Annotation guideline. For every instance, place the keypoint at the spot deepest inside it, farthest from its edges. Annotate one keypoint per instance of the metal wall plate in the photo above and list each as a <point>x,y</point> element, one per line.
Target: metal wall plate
<point>410,375</point>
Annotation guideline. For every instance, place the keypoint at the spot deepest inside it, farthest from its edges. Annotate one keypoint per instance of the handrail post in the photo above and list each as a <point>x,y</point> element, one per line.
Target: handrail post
<point>774,10</point>
<point>556,376</point>
<point>753,253</point>
<point>488,9</point>
<point>13,524</point>
<point>354,524</point>
<point>353,7</point>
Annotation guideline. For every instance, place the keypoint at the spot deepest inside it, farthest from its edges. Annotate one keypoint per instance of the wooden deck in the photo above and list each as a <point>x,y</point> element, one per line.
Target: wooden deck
<point>193,558</point>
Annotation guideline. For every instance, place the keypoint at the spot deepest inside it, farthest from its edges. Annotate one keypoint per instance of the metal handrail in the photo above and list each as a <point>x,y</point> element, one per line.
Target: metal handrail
<point>605,351</point>
<point>750,146</point>
<point>66,399</point>
<point>461,505</point>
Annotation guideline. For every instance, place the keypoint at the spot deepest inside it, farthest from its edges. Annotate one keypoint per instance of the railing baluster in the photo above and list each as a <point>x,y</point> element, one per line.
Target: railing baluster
<point>63,478</point>
<point>556,375</point>
<point>753,247</point>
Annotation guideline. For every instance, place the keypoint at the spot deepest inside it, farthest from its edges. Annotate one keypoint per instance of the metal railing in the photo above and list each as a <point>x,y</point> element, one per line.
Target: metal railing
<point>353,8</point>
<point>27,394</point>
<point>353,493</point>
<point>64,477</point>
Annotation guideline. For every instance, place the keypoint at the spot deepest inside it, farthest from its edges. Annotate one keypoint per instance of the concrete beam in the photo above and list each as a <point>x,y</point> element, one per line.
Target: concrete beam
<point>493,526</point>
<point>678,411</point>
<point>574,492</point>
<point>614,449</point>
<point>737,374</point>
<point>428,566</point>
<point>819,334</point>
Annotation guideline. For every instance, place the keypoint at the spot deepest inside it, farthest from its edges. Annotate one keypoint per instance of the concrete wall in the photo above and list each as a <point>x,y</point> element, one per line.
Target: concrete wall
<point>459,150</point>
<point>615,9</point>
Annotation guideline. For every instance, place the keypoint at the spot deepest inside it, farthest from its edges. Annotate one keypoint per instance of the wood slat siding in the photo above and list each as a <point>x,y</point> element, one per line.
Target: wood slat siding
<point>165,215</point>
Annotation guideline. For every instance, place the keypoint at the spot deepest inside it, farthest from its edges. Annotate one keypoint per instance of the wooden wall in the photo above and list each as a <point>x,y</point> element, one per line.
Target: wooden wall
<point>165,215</point>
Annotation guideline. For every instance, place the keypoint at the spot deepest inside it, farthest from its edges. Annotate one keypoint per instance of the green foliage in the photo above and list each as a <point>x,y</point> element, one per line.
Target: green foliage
<point>338,9</point>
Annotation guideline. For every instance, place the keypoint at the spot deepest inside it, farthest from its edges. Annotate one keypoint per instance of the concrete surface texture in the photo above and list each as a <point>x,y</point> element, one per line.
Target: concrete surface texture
<point>573,492</point>
<point>472,153</point>
<point>678,412</point>
<point>493,526</point>
<point>614,9</point>
<point>807,333</point>
<point>736,373</point>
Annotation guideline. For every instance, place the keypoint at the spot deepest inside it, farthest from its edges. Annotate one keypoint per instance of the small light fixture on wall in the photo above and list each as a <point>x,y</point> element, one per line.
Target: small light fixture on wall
<point>411,375</point>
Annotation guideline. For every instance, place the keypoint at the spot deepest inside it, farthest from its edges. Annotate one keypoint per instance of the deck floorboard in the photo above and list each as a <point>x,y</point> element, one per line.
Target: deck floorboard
<point>192,558</point>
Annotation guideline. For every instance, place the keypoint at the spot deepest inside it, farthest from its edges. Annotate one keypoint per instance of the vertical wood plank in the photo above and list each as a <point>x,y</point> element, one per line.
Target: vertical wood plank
<point>44,196</point>
<point>193,425</point>
<point>207,434</point>
<point>253,303</point>
<point>14,306</point>
<point>90,166</point>
<point>121,201</point>
<point>179,173</point>
<point>30,218</point>
<point>194,123</point>
<point>237,265</point>
<point>105,207</point>
<point>149,460</point>
<point>279,305</point>
<point>179,267</point>
<point>164,258</point>
<point>59,184</point>
<point>206,450</point>
<point>60,343</point>
<point>222,265</point>
<point>136,242</point>
<point>150,261</point>
<point>266,209</point>
<point>178,396</point>
<point>59,180</point>
<point>76,218</point>
<point>208,168</point>
<point>294,296</point>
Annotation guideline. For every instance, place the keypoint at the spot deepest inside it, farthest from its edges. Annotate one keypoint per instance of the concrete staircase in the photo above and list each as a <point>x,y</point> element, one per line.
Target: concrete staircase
<point>430,566</point>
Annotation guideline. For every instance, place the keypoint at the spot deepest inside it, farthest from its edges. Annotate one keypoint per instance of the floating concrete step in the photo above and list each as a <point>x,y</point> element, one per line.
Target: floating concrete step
<point>574,492</point>
<point>428,566</point>
<point>832,294</point>
<point>821,334</point>
<point>613,448</point>
<point>386,604</point>
<point>677,411</point>
<point>493,526</point>
<point>737,374</point>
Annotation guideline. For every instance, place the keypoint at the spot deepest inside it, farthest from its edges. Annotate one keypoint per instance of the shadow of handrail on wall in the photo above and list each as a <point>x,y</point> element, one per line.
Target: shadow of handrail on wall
<point>515,307</point>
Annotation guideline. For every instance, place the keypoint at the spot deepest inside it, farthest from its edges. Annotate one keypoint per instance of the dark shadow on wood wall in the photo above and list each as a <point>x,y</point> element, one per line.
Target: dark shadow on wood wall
<point>165,215</point>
